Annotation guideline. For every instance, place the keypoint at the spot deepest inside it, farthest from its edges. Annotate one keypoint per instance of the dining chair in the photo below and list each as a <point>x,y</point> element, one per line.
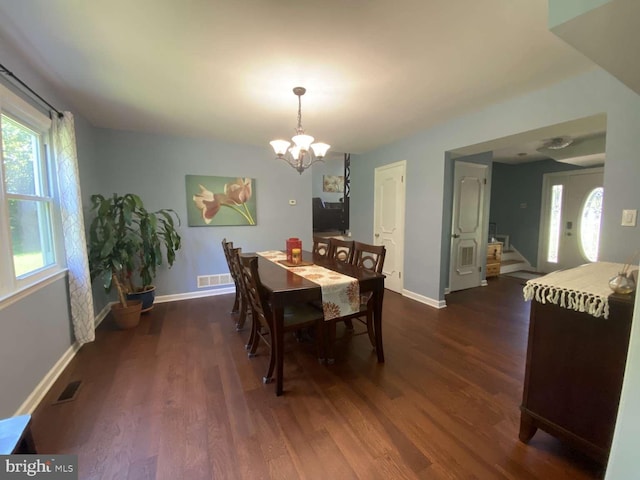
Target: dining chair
<point>226,247</point>
<point>296,317</point>
<point>235,267</point>
<point>320,246</point>
<point>367,257</point>
<point>341,250</point>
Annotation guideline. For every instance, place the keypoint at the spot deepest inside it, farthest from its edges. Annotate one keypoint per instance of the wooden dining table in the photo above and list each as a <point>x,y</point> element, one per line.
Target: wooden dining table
<point>286,288</point>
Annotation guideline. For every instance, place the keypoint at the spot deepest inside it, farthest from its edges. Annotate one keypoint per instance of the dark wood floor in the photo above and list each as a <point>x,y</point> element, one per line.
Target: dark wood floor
<point>177,398</point>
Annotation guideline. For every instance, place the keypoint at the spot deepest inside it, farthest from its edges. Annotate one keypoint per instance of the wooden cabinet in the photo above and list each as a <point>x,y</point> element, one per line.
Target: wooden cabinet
<point>494,259</point>
<point>574,372</point>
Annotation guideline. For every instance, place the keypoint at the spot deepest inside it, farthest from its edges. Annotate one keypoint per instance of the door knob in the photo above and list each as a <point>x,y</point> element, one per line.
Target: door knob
<point>455,235</point>
<point>377,235</point>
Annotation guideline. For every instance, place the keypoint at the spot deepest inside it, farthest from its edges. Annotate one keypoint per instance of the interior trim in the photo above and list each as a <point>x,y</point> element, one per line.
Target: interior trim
<point>426,300</point>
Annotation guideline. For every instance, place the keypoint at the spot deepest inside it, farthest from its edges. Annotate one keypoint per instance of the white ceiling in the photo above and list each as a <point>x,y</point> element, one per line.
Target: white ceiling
<point>375,70</point>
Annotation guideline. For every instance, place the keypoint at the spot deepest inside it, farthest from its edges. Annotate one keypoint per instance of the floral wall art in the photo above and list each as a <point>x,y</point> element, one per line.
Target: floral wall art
<point>333,183</point>
<point>216,201</point>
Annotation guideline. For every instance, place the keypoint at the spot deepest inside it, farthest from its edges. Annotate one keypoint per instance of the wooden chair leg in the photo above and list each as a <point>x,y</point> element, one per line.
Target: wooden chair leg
<point>253,335</point>
<point>349,324</point>
<point>272,363</point>
<point>370,331</point>
<point>236,301</point>
<point>242,318</point>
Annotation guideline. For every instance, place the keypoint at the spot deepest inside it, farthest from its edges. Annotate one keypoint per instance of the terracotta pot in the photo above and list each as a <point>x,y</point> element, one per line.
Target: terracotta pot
<point>129,316</point>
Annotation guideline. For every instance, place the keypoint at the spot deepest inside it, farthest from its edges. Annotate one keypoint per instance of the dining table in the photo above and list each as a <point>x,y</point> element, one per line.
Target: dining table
<point>285,287</point>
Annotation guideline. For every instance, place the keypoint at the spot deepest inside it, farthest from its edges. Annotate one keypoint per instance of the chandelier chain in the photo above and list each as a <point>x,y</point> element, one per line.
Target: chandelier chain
<point>299,129</point>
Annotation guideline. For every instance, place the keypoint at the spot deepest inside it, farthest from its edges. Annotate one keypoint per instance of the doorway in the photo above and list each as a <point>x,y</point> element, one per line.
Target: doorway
<point>468,225</point>
<point>388,220</point>
<point>570,219</point>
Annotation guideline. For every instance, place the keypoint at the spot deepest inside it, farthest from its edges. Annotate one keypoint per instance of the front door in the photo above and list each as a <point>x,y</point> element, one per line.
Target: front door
<point>467,226</point>
<point>570,219</point>
<point>388,220</point>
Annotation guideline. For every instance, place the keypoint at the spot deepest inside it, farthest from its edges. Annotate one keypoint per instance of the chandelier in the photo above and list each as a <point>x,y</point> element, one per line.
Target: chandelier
<point>304,153</point>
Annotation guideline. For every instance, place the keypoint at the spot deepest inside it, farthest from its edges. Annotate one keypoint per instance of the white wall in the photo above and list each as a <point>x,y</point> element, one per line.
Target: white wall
<point>624,463</point>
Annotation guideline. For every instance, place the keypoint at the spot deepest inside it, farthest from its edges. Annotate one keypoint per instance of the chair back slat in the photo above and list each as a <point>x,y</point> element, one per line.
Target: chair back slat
<point>369,257</point>
<point>226,248</point>
<point>235,267</point>
<point>321,246</point>
<point>341,250</point>
<point>254,290</point>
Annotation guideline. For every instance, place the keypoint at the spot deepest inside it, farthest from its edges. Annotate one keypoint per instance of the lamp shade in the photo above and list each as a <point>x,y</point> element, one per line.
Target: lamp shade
<point>320,149</point>
<point>280,147</point>
<point>303,142</point>
<point>295,152</point>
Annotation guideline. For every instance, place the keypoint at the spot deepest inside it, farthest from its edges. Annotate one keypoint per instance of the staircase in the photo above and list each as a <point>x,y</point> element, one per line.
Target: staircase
<point>512,261</point>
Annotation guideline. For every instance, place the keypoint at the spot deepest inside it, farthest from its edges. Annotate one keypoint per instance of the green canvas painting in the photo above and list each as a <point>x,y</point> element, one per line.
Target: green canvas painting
<point>217,201</point>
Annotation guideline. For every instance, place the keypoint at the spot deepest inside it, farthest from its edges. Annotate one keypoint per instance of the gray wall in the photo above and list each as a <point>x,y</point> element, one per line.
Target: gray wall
<point>35,331</point>
<point>154,167</point>
<point>585,95</point>
<point>513,186</point>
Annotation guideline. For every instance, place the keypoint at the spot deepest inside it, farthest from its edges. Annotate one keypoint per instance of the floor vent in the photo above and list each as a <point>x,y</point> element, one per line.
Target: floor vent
<point>204,281</point>
<point>69,393</point>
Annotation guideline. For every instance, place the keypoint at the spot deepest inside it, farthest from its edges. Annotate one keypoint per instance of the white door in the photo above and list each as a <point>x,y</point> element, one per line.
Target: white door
<point>570,219</point>
<point>467,226</point>
<point>388,220</point>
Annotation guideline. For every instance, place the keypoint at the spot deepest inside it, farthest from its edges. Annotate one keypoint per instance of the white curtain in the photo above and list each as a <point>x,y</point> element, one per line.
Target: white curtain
<point>81,300</point>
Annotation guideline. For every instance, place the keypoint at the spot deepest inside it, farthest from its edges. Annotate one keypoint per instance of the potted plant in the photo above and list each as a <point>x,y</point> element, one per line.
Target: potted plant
<point>126,244</point>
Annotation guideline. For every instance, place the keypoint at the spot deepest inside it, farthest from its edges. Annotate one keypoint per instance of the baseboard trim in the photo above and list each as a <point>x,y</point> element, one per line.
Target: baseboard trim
<point>426,300</point>
<point>102,314</point>
<point>33,400</point>
<point>190,295</point>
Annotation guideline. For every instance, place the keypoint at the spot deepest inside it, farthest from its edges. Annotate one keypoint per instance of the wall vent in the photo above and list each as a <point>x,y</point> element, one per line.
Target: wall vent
<point>204,281</point>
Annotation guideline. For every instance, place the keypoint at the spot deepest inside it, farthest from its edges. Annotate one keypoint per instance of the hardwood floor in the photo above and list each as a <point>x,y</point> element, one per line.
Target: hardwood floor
<point>178,398</point>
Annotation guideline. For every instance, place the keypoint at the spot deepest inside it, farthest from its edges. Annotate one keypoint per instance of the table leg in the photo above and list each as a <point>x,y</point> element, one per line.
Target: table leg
<point>527,428</point>
<point>378,296</point>
<point>278,339</point>
<point>330,327</point>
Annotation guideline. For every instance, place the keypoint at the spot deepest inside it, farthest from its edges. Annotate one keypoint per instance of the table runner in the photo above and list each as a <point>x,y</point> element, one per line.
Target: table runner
<point>340,293</point>
<point>583,289</point>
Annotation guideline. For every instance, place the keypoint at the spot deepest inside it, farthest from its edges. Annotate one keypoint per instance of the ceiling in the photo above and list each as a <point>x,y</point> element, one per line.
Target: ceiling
<point>375,70</point>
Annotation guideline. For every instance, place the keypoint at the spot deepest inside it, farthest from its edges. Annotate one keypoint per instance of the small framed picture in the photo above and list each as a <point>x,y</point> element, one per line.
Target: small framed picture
<point>333,183</point>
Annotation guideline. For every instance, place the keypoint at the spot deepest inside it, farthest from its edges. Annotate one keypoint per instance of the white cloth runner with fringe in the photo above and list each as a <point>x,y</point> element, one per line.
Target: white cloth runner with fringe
<point>583,289</point>
<point>340,293</point>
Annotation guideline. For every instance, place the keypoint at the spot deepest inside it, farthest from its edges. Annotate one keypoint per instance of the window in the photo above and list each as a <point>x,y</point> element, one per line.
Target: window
<point>554,223</point>
<point>28,208</point>
<point>590,224</point>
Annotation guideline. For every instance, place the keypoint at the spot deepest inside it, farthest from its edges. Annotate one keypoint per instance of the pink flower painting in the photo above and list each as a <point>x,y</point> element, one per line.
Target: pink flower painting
<point>220,201</point>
